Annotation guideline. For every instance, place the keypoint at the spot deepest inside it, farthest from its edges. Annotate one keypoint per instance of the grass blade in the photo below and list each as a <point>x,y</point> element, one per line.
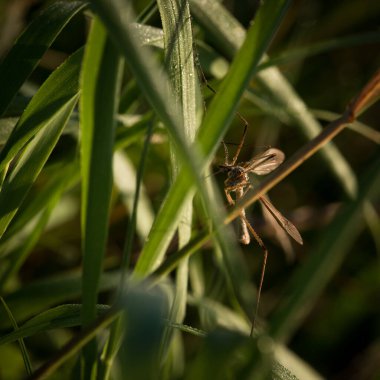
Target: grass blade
<point>50,121</point>
<point>31,45</point>
<point>25,355</point>
<point>100,75</point>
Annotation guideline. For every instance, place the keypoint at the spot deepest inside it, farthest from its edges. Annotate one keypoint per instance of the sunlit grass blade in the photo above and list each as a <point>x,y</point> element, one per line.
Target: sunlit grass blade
<point>31,45</point>
<point>100,76</point>
<point>58,90</point>
<point>50,122</point>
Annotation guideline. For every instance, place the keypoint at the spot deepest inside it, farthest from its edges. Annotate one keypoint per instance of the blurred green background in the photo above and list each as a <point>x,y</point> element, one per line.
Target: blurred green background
<point>328,51</point>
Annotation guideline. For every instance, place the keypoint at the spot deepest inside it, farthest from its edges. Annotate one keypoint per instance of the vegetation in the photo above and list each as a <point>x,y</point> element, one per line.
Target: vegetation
<point>119,256</point>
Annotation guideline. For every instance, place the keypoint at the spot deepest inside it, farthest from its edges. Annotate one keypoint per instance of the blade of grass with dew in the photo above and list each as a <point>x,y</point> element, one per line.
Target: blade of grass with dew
<point>24,351</point>
<point>149,35</point>
<point>62,85</point>
<point>178,42</point>
<point>230,35</point>
<point>100,80</point>
<point>30,47</point>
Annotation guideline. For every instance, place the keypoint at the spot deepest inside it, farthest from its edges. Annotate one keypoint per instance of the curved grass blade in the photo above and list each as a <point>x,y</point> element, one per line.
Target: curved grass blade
<point>321,47</point>
<point>20,253</point>
<point>63,177</point>
<point>51,121</point>
<point>58,89</point>
<point>40,295</point>
<point>62,316</point>
<point>31,45</point>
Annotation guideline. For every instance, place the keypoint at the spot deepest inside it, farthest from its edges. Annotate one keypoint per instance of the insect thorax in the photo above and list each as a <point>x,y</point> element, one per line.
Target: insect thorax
<point>236,176</point>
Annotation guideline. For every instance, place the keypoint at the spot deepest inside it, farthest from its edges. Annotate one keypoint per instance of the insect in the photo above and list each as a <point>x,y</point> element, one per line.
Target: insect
<point>237,181</point>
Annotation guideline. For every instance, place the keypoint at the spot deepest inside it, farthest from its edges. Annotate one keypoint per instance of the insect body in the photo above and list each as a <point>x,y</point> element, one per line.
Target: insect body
<point>237,181</point>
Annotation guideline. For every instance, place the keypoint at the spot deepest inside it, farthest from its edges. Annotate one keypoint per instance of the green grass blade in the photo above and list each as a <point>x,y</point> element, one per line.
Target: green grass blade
<point>40,295</point>
<point>62,316</point>
<point>60,178</point>
<point>178,41</point>
<point>19,255</point>
<point>100,75</point>
<point>30,47</point>
<point>59,89</point>
<point>50,121</point>
<point>24,351</point>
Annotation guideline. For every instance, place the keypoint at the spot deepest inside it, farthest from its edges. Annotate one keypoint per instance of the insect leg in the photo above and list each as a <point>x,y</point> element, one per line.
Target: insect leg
<point>263,266</point>
<point>242,139</point>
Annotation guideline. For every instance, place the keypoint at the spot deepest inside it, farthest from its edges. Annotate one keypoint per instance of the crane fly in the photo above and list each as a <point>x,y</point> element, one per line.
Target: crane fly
<point>238,182</point>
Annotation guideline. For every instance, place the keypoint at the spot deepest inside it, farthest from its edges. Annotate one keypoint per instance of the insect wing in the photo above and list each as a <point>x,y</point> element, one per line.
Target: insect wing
<point>265,162</point>
<point>288,226</point>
